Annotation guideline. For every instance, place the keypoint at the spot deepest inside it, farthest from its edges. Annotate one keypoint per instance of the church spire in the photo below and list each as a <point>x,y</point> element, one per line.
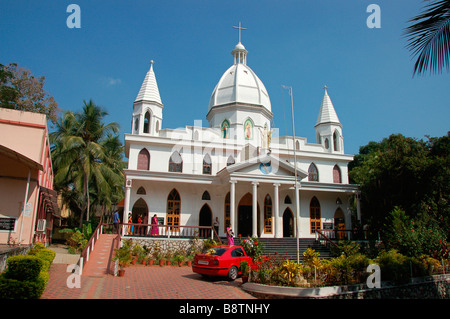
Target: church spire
<point>149,89</point>
<point>328,128</point>
<point>327,113</point>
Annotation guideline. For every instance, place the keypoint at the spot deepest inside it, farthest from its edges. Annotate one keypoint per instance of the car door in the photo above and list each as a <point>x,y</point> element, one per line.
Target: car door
<point>237,256</point>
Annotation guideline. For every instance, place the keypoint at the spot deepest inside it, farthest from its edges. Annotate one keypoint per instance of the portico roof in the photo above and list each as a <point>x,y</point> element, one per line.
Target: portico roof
<point>263,168</point>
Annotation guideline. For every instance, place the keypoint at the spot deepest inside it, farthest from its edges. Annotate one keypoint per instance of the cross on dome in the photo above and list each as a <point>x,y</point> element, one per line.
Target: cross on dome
<point>239,53</point>
<point>240,28</point>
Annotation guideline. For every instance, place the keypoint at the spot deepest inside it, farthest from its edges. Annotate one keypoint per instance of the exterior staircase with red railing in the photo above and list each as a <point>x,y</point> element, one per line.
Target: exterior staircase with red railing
<point>99,257</point>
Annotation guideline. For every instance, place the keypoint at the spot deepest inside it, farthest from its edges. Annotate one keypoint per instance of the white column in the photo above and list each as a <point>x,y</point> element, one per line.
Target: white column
<point>233,206</point>
<point>255,210</point>
<point>126,205</point>
<point>141,123</point>
<point>276,209</point>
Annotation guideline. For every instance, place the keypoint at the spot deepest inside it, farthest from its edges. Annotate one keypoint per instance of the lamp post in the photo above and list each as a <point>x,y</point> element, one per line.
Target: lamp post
<point>297,204</point>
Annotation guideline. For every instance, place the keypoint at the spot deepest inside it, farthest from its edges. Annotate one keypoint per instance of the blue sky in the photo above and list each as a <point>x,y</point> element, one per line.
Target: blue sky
<point>303,44</point>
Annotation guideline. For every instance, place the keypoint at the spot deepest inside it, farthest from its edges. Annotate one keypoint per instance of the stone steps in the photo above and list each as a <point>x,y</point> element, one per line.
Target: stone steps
<point>288,247</point>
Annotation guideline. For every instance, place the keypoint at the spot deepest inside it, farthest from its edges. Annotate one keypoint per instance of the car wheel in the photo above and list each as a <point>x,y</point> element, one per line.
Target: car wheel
<point>233,273</point>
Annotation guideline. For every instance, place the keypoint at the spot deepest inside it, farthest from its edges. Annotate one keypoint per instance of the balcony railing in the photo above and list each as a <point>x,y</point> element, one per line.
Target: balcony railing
<point>169,231</point>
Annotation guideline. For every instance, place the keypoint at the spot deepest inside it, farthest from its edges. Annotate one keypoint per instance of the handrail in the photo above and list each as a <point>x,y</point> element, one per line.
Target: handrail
<point>320,233</point>
<point>84,256</point>
<point>169,231</point>
<point>115,244</point>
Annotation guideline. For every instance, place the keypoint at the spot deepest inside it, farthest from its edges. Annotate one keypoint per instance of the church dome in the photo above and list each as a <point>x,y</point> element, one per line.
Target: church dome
<point>239,84</point>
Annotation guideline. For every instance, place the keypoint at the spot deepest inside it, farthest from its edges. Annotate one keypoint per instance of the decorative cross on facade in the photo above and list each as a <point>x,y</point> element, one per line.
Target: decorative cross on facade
<point>240,28</point>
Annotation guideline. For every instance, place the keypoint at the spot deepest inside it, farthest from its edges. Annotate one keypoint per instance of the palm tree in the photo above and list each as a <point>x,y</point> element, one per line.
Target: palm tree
<point>80,157</point>
<point>429,37</point>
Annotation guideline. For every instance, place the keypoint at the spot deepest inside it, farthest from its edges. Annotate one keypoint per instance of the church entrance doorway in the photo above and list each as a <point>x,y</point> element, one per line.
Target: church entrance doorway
<point>245,220</point>
<point>205,219</point>
<point>140,209</point>
<point>288,223</point>
<point>339,223</point>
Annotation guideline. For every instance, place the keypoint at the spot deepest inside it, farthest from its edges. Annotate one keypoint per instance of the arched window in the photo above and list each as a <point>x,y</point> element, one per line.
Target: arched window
<point>141,191</point>
<point>314,211</point>
<point>336,141</point>
<point>230,160</point>
<point>313,173</point>
<point>287,200</point>
<point>143,160</point>
<point>327,144</point>
<point>226,212</point>
<point>136,125</point>
<point>337,174</point>
<point>173,209</point>
<point>206,196</point>
<point>175,163</point>
<point>157,126</point>
<point>268,215</point>
<point>147,122</point>
<point>207,166</point>
<point>297,145</point>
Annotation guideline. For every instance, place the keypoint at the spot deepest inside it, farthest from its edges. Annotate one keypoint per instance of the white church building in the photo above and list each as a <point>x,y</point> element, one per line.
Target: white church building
<point>237,169</point>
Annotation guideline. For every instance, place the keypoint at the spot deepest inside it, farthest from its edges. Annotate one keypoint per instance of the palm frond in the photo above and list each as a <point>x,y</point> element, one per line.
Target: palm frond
<point>429,38</point>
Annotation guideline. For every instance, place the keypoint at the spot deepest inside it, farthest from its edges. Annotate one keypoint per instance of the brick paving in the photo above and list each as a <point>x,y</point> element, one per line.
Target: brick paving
<point>139,282</point>
<point>143,282</point>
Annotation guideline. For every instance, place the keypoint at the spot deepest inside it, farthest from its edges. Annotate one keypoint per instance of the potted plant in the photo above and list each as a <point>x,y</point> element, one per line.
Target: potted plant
<point>244,270</point>
<point>179,259</point>
<point>136,252</point>
<point>142,260</point>
<point>150,261</point>
<point>168,258</point>
<point>123,256</point>
<point>160,260</point>
<point>189,260</point>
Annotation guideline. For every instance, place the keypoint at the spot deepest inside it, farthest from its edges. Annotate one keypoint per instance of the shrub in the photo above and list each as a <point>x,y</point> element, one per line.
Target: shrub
<point>46,255</point>
<point>414,238</point>
<point>26,276</point>
<point>19,289</point>
<point>394,266</point>
<point>310,257</point>
<point>253,248</point>
<point>77,242</point>
<point>23,267</point>
<point>291,271</point>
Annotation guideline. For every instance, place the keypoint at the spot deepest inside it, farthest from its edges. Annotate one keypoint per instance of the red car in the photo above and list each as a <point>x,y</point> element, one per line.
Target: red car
<point>221,261</point>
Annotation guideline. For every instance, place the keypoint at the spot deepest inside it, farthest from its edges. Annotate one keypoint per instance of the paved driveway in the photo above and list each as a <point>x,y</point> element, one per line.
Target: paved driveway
<point>142,282</point>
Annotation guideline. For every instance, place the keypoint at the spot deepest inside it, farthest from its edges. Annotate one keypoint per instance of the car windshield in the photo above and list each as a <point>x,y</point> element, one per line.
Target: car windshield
<point>217,251</point>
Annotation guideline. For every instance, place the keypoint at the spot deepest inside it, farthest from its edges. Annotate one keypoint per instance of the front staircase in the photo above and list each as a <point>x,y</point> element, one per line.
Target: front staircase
<point>288,247</point>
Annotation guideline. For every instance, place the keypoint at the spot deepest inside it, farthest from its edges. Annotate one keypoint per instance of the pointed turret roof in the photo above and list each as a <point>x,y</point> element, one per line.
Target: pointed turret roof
<point>327,113</point>
<point>149,89</point>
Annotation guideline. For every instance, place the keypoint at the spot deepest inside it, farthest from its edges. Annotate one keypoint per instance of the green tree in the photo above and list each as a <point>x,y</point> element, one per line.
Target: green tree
<point>85,158</point>
<point>20,90</point>
<point>411,174</point>
<point>429,37</point>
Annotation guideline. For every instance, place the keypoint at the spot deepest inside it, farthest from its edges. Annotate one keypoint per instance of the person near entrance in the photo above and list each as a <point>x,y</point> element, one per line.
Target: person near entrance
<point>216,225</point>
<point>230,235</point>
<point>155,228</point>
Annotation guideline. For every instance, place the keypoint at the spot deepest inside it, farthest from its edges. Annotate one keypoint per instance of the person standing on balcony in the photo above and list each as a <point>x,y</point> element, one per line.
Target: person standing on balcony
<point>155,230</point>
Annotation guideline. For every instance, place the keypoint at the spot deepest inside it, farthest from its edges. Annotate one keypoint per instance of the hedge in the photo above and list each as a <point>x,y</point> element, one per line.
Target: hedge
<point>26,276</point>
